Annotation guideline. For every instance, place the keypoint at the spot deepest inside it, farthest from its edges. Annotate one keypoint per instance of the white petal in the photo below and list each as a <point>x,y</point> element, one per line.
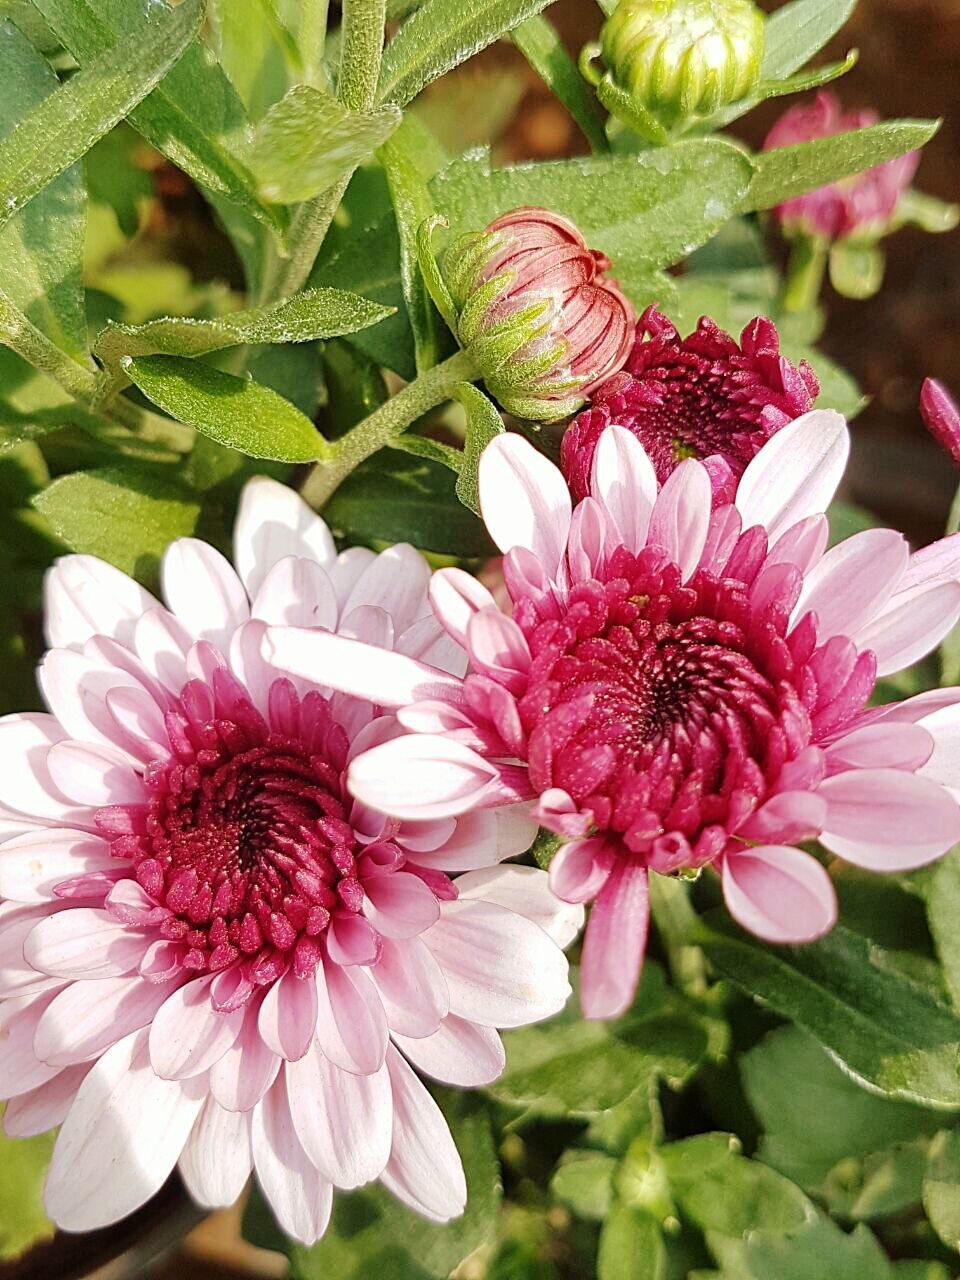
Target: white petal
<point>625,482</point>
<point>296,593</point>
<point>84,597</point>
<point>45,1107</point>
<point>396,581</point>
<point>912,624</point>
<point>188,1035</point>
<point>455,597</point>
<point>94,774</point>
<point>87,1017</point>
<point>853,581</point>
<point>201,588</point>
<point>122,1137</point>
<point>25,781</point>
<point>524,500</point>
<point>420,776</point>
<point>459,1052</point>
<point>411,986</point>
<point>288,1016</point>
<point>217,1159</point>
<point>481,838</point>
<point>681,516</point>
<point>525,890</point>
<point>795,474</point>
<point>32,865</point>
<point>273,521</point>
<point>300,1197</point>
<point>84,942</point>
<point>344,1121</point>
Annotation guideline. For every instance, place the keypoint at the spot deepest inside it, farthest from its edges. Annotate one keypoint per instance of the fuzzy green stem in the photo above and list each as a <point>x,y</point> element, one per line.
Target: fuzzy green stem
<point>83,382</point>
<point>386,423</point>
<point>360,52</point>
<point>808,261</point>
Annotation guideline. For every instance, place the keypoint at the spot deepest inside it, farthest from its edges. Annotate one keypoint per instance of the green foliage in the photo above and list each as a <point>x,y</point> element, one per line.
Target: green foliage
<point>22,1168</point>
<point>540,43</point>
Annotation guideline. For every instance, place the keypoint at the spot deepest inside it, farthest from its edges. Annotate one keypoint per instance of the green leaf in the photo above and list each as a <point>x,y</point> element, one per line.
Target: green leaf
<point>313,314</point>
<point>483,424</point>
<point>846,519</point>
<point>881,1027</point>
<point>813,1115</point>
<point>68,122</point>
<point>439,36</point>
<point>720,1190</point>
<point>940,887</point>
<point>790,171</point>
<point>568,1067</point>
<point>308,141</point>
<point>856,270</point>
<point>41,249</point>
<point>540,43</point>
<point>23,1167</point>
<point>646,211</point>
<point>412,206</point>
<point>253,48</point>
<point>190,114</point>
<point>372,1235</point>
<point>584,1182</point>
<point>233,411</point>
<point>941,1187</point>
<point>125,515</point>
<point>631,1246</point>
<point>393,497</point>
<point>819,1251</point>
<point>796,31</point>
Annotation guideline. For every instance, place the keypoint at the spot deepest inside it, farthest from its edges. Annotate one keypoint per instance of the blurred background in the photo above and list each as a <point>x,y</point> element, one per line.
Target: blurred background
<point>909,65</point>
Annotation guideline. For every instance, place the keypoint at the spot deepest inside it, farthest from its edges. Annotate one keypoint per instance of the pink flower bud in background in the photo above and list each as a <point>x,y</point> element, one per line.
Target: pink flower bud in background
<point>861,205</point>
<point>703,396</point>
<point>545,325</point>
<point>941,416</point>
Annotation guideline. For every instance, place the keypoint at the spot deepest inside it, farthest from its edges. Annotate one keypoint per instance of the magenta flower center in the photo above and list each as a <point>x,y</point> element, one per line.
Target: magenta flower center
<point>243,837</point>
<point>670,710</point>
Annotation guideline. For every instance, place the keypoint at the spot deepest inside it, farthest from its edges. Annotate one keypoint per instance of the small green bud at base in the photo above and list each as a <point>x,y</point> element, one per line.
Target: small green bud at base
<point>672,63</point>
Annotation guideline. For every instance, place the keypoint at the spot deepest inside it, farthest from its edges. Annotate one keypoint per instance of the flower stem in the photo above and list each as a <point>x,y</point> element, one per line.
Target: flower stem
<point>808,261</point>
<point>83,382</point>
<point>386,423</point>
<point>360,54</point>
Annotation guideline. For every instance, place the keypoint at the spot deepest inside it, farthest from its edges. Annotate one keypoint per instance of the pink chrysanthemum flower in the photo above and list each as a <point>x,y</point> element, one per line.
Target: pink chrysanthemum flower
<point>704,396</point>
<point>210,954</point>
<point>861,205</point>
<point>682,686</point>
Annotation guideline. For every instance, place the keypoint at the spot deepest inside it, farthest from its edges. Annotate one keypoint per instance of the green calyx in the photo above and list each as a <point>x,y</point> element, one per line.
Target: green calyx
<point>673,63</point>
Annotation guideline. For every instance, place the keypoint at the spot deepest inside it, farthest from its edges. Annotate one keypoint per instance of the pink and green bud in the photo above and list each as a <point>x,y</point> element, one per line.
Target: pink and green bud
<point>673,63</point>
<point>941,416</point>
<point>535,310</point>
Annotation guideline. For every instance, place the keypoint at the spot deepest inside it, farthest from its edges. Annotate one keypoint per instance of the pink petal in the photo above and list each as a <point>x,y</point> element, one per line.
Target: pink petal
<point>202,589</point>
<point>217,1159</point>
<point>779,893</point>
<point>162,642</point>
<point>396,581</point>
<point>803,544</point>
<point>25,781</point>
<point>288,1015</point>
<point>580,868</point>
<point>502,970</point>
<point>352,940</point>
<point>87,1017</point>
<point>188,1035</point>
<point>913,623</point>
<point>298,1194</point>
<point>46,1106</point>
<point>18,977</point>
<point>887,820</point>
<point>681,516</point>
<point>369,625</point>
<point>344,1121</point>
<point>399,905</point>
<point>938,562</point>
<point>587,540</point>
<point>795,474</point>
<point>32,865</point>
<point>389,679</point>
<point>481,838</point>
<point>625,483</point>
<point>884,745</point>
<point>853,581</point>
<point>75,687</point>
<point>424,1170</point>
<point>455,597</point>
<point>21,1070</point>
<point>296,593</point>
<point>524,500</point>
<point>347,569</point>
<point>498,648</point>
<point>247,1070</point>
<point>791,816</point>
<point>84,942</point>
<point>125,1109</point>
<point>274,522</point>
<point>411,986</point>
<point>84,596</point>
<point>90,774</point>
<point>420,776</point>
<point>525,890</point>
<point>351,1023</point>
<point>614,942</point>
<point>459,1052</point>
<point>427,642</point>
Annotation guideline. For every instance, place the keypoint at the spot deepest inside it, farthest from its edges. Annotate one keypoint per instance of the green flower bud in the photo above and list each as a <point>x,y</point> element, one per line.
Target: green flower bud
<point>671,63</point>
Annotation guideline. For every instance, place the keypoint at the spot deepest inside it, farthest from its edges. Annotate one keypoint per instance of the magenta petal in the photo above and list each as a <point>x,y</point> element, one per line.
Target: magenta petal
<point>779,893</point>
<point>580,868</point>
<point>614,942</point>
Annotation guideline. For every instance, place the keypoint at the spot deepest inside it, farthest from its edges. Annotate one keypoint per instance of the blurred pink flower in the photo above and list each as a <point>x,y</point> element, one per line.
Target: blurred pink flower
<point>683,685</point>
<point>703,396</point>
<point>213,956</point>
<point>860,205</point>
<point>545,323</point>
<point>941,416</point>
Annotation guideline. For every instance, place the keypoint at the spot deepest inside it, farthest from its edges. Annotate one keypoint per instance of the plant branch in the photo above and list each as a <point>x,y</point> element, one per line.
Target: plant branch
<point>386,423</point>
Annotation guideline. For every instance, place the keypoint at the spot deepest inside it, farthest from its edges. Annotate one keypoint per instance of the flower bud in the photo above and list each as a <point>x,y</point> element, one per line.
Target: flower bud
<point>671,63</point>
<point>941,416</point>
<point>861,206</point>
<point>534,309</point>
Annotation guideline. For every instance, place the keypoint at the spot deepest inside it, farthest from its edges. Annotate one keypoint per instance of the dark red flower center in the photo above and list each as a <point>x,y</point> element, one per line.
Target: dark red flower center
<point>244,837</point>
